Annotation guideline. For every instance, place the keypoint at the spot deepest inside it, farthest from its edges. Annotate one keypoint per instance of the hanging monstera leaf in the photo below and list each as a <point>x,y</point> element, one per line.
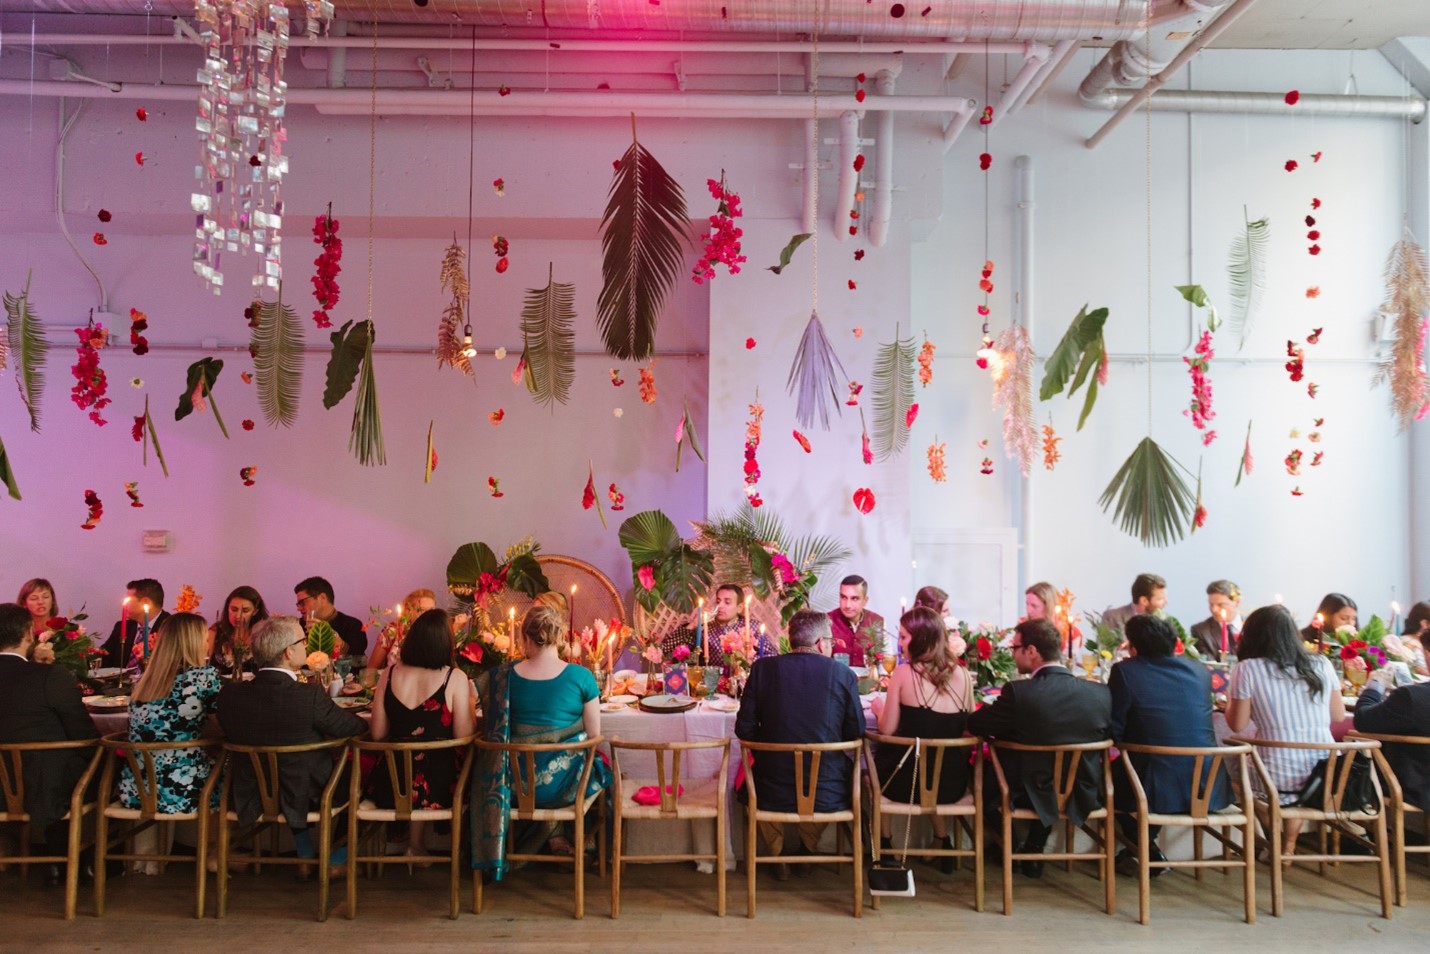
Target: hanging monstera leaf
<point>277,348</point>
<point>641,257</point>
<point>893,386</point>
<point>198,391</point>
<point>350,343</point>
<point>549,340</point>
<point>27,347</point>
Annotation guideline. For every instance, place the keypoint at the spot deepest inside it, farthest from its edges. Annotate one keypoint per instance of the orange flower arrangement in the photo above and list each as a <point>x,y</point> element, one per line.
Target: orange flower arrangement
<point>937,470</point>
<point>1051,456</point>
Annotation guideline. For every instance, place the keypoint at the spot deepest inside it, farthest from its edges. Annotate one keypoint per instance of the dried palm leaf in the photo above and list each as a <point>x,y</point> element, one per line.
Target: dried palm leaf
<point>365,442</point>
<point>1408,299</point>
<point>893,395</point>
<point>1244,467</point>
<point>1080,352</point>
<point>549,339</point>
<point>1152,500</point>
<point>7,476</point>
<point>1246,271</point>
<point>450,346</point>
<point>813,374</point>
<point>153,438</point>
<point>27,347</point>
<point>4,352</point>
<point>1012,372</point>
<point>641,234</point>
<point>277,348</point>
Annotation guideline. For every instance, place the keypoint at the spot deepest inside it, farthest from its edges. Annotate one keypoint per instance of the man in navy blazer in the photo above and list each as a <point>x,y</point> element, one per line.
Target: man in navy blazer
<point>276,709</point>
<point>1159,699</point>
<point>1406,711</point>
<point>1052,708</point>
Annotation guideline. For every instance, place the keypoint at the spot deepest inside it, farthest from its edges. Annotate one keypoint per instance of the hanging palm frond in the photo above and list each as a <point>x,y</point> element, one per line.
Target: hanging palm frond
<point>7,476</point>
<point>1246,271</point>
<point>27,345</point>
<point>350,343</point>
<point>450,345</point>
<point>365,442</point>
<point>549,339</point>
<point>1152,500</point>
<point>276,345</point>
<point>893,395</point>
<point>1080,352</point>
<point>1012,371</point>
<point>813,375</point>
<point>1408,300</point>
<point>4,352</point>
<point>641,257</point>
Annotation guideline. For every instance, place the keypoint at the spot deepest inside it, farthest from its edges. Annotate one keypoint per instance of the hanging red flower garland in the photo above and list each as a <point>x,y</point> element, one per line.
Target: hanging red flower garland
<point>1200,409</point>
<point>96,510</point>
<point>753,433</point>
<point>90,381</point>
<point>328,264</point>
<point>722,242</point>
<point>138,322</point>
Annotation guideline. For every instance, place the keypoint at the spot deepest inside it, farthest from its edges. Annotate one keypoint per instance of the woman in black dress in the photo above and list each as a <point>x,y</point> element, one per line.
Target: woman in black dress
<point>422,698</point>
<point>929,697</point>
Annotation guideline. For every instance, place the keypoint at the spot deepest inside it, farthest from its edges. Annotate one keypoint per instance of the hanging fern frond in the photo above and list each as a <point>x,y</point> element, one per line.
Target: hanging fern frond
<point>1246,272</point>
<point>277,348</point>
<point>1407,298</point>
<point>7,476</point>
<point>641,257</point>
<point>893,395</point>
<point>1152,500</point>
<point>549,339</point>
<point>365,442</point>
<point>813,375</point>
<point>27,345</point>
<point>1012,372</point>
<point>450,346</point>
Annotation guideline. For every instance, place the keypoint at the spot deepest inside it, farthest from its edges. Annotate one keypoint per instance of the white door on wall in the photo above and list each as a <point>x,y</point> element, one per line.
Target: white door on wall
<point>978,568</point>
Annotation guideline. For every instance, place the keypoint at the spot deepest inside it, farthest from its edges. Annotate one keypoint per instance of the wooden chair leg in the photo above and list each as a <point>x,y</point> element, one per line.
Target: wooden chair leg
<point>1109,845</point>
<point>857,847</point>
<point>201,868</point>
<point>1248,876</point>
<point>1197,834</point>
<point>1398,846</point>
<point>353,855</point>
<point>1382,853</point>
<point>72,866</point>
<point>751,862</point>
<point>1007,862</point>
<point>221,878</point>
<point>325,850</point>
<point>616,865</point>
<point>1144,871</point>
<point>978,846</point>
<point>1069,833</point>
<point>720,856</point>
<point>101,850</point>
<point>1275,836</point>
<point>578,861</point>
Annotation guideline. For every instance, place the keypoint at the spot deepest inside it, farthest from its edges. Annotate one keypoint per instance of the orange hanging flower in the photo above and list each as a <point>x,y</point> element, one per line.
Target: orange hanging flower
<point>188,600</point>
<point>1051,455</point>
<point>937,469</point>
<point>647,383</point>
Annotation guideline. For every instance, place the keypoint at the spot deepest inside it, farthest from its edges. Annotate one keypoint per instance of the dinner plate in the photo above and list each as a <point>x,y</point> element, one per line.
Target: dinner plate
<point>667,703</point>
<point>624,700</point>
<point>613,706</point>
<point>105,672</point>
<point>723,705</point>
<point>107,702</point>
<point>351,702</point>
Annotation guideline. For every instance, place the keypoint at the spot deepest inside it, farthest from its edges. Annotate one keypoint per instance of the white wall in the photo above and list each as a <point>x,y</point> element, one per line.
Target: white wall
<point>378,532</point>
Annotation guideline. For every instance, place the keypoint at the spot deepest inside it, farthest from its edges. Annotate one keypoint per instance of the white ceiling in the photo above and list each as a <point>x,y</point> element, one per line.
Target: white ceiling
<point>1326,24</point>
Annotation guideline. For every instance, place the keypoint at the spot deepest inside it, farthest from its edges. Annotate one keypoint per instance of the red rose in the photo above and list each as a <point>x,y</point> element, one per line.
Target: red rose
<point>1348,652</point>
<point>1293,97</point>
<point>985,648</point>
<point>56,623</point>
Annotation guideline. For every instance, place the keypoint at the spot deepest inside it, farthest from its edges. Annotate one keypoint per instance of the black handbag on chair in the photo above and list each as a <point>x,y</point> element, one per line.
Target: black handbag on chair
<point>889,878</point>
<point>1360,792</point>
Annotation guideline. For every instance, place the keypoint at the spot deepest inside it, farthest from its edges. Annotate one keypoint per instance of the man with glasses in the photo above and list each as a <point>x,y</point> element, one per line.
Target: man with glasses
<point>276,709</point>
<point>1051,708</point>
<point>315,601</point>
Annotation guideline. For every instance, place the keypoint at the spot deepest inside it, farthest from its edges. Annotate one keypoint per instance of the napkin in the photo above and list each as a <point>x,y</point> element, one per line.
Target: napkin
<point>650,794</point>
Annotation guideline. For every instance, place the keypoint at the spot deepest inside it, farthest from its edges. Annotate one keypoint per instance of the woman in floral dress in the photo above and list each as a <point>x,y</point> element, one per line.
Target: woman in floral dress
<point>172,703</point>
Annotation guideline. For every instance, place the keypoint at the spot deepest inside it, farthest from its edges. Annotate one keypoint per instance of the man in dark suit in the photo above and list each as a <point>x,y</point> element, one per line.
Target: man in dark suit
<point>1224,605</point>
<point>41,703</point>
<point>146,600</point>
<point>1159,699</point>
<point>1405,711</point>
<point>1149,594</point>
<point>803,696</point>
<point>276,709</point>
<point>1051,708</point>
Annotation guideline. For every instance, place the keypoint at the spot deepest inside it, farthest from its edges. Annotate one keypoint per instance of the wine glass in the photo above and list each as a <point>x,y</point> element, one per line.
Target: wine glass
<point>1357,677</point>
<point>1088,661</point>
<point>888,663</point>
<point>367,678</point>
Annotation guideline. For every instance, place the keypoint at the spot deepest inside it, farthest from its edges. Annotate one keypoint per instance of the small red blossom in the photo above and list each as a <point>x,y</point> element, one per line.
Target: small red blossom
<point>495,417</point>
<point>802,441</point>
<point>494,486</point>
<point>853,230</point>
<point>911,415</point>
<point>1292,165</point>
<point>986,467</point>
<point>139,157</point>
<point>1312,388</point>
<point>138,323</point>
<point>616,379</point>
<point>505,90</point>
<point>255,161</point>
<point>1313,292</point>
<point>138,430</point>
<point>855,389</point>
<point>141,114</point>
<point>853,285</point>
<point>859,78</point>
<point>618,499</point>
<point>864,500</point>
<point>499,186</point>
<point>472,652</point>
<point>1314,234</point>
<point>859,163</point>
<point>247,424</point>
<point>1314,250</point>
<point>866,450</point>
<point>1315,336</point>
<point>1199,518</point>
<point>1315,203</point>
<point>246,377</point>
<point>646,577</point>
<point>749,344</point>
<point>99,239</point>
<point>502,265</point>
<point>96,510</point>
<point>1310,221</point>
<point>985,160</point>
<point>246,474</point>
<point>1316,156</point>
<point>1317,457</point>
<point>588,495</point>
<point>858,255</point>
<point>1293,463</point>
<point>1296,491</point>
<point>1293,97</point>
<point>1297,365</point>
<point>859,96</point>
<point>104,215</point>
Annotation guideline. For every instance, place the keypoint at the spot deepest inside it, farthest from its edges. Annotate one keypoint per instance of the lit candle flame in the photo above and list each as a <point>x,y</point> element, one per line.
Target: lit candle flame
<point>1319,621</point>
<point>1394,608</point>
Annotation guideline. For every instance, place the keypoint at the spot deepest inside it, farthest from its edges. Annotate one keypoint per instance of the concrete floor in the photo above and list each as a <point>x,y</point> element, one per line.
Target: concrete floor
<point>666,906</point>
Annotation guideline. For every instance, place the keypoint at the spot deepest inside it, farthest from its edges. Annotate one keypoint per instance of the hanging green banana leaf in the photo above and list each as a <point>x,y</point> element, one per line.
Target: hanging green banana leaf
<point>349,345</point>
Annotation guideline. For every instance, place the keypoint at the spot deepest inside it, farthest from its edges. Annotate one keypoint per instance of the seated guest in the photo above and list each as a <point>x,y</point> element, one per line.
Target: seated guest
<point>1149,594</point>
<point>1041,602</point>
<point>276,709</point>
<point>242,610</point>
<point>936,599</point>
<point>1336,612</point>
<point>315,601</point>
<point>1417,624</point>
<point>540,699</point>
<point>41,703</point>
<point>853,626</point>
<point>728,619</point>
<point>119,647</point>
<point>171,703</point>
<point>1052,708</point>
<point>1158,699</point>
<point>414,604</point>
<point>1291,695</point>
<point>38,596</point>
<point>929,697</point>
<point>1404,711</point>
<point>1224,605</point>
<point>802,696</point>
<point>417,700</point>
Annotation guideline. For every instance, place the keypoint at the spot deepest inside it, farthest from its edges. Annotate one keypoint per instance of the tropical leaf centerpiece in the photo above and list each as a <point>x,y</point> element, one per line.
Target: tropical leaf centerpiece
<point>322,638</point>
<point>664,568</point>
<point>475,575</point>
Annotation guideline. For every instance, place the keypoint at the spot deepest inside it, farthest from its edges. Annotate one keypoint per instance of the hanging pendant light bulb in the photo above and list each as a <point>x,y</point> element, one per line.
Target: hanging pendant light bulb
<point>467,350</point>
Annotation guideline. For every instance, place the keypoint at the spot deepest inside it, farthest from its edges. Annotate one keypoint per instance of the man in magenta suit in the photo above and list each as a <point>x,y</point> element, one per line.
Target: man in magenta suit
<point>852,625</point>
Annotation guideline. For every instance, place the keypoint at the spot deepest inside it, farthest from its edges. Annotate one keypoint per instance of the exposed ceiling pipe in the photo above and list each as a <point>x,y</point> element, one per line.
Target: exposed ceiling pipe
<point>1055,62</point>
<point>963,112</point>
<point>1034,56</point>
<point>883,205</point>
<point>1207,35</point>
<point>848,178</point>
<point>1271,104</point>
<point>1049,75</point>
<point>988,19</point>
<point>1027,212</point>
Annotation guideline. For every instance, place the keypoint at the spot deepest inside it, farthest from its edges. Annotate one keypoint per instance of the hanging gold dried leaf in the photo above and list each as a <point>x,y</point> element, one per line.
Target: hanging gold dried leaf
<point>454,317</point>
<point>1408,299</point>
<point>1012,371</point>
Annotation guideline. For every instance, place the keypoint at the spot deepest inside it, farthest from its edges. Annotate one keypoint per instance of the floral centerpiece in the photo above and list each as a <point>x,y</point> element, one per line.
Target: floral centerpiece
<point>479,582</point>
<point>741,648</point>
<point>603,642</point>
<point>480,648</point>
<point>990,664</point>
<point>71,645</point>
<point>1366,643</point>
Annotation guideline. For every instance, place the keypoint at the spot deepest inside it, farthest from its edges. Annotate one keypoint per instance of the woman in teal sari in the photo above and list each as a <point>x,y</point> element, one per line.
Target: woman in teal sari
<point>537,700</point>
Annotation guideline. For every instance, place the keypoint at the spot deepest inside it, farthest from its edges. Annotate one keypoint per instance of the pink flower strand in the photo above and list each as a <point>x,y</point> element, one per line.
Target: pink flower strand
<point>722,242</point>
<point>1200,409</point>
